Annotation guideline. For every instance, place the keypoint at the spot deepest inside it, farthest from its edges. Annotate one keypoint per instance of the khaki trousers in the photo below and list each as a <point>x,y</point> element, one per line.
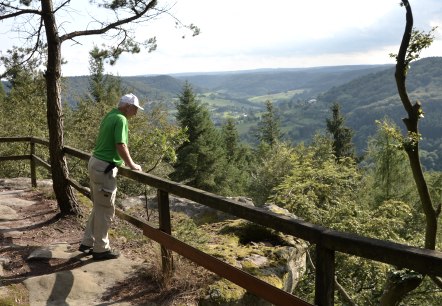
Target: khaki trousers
<point>103,193</point>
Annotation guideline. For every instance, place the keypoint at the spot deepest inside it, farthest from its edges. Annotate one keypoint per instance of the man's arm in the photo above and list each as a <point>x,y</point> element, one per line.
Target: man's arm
<point>123,151</point>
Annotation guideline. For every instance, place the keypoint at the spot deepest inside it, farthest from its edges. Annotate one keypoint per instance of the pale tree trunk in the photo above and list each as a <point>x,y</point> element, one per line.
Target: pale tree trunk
<point>396,287</point>
<point>63,191</point>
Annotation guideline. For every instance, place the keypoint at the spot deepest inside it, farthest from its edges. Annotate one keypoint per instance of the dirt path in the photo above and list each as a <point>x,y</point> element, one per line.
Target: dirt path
<point>40,264</point>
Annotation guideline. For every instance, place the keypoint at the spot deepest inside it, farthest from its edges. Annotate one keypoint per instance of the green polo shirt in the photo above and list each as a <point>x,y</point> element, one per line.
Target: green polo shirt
<point>113,130</point>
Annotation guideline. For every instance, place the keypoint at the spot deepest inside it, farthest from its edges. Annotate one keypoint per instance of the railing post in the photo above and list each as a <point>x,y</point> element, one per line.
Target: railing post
<point>165,226</point>
<point>325,276</point>
<point>33,168</point>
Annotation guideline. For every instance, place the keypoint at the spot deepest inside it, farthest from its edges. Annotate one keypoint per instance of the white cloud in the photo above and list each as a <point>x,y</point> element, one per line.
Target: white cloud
<point>251,34</point>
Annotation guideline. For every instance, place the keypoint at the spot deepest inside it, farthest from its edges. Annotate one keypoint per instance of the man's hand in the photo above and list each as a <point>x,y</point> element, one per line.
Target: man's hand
<point>136,167</point>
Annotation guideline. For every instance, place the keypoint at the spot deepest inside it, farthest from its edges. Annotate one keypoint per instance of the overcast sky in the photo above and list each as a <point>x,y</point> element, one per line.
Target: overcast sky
<point>250,34</point>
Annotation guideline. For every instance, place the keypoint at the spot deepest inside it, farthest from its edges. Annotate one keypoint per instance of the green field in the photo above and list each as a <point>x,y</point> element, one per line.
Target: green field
<point>286,95</point>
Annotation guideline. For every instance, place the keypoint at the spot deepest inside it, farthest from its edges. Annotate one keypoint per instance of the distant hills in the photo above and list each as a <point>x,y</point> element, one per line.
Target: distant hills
<point>237,84</point>
<point>303,97</point>
<point>251,83</point>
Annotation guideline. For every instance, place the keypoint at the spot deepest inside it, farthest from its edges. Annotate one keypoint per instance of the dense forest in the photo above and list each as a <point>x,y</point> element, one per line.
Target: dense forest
<point>317,174</point>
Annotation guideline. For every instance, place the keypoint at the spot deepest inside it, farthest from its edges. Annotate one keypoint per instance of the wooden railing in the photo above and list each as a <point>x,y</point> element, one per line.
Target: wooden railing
<point>327,241</point>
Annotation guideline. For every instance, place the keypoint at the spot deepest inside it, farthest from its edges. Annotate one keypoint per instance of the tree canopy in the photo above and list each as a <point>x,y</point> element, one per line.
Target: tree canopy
<point>41,23</point>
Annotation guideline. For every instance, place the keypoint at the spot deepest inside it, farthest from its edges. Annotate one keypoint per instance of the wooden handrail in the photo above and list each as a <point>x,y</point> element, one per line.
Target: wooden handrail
<point>328,241</point>
<point>15,139</point>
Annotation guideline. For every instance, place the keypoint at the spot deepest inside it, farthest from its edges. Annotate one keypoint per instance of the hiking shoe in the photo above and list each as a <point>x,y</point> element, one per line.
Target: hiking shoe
<point>105,255</point>
<point>85,249</point>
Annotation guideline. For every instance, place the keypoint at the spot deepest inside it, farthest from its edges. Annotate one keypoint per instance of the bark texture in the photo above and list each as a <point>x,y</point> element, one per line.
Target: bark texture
<point>63,191</point>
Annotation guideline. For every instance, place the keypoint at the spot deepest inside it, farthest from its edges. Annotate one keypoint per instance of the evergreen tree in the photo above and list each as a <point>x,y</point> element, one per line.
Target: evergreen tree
<point>268,130</point>
<point>342,136</point>
<point>102,87</point>
<point>238,160</point>
<point>96,70</point>
<point>231,139</point>
<point>201,160</point>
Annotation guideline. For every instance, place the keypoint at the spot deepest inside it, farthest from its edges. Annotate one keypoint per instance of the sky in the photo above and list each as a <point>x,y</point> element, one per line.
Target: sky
<point>253,34</point>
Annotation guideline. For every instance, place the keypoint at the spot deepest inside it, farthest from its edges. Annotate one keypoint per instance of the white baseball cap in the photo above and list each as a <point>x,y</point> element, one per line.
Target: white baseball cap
<point>130,99</point>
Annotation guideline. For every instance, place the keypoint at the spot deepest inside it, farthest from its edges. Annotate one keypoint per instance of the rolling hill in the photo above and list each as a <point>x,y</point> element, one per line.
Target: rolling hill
<point>374,96</point>
<point>303,97</point>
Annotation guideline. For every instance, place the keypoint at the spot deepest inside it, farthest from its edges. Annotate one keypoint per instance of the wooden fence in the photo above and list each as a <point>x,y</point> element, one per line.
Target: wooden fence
<point>327,241</point>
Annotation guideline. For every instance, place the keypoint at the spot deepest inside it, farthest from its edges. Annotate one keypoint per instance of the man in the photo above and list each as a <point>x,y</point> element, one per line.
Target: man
<point>110,151</point>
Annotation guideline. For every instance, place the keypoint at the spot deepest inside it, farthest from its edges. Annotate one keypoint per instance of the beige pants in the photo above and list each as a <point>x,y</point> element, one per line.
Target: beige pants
<point>103,192</point>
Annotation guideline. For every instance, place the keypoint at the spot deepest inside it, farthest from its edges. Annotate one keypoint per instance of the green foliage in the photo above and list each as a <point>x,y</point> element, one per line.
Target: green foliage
<point>419,41</point>
<point>392,177</point>
<point>152,138</point>
<point>96,69</point>
<point>365,93</point>
<point>200,161</point>
<point>238,161</point>
<point>269,131</point>
<point>322,190</point>
<point>22,110</point>
<point>186,230</point>
<point>381,203</point>
<point>26,101</point>
<point>374,96</point>
<point>317,188</point>
<point>342,135</point>
<point>2,93</point>
<point>271,165</point>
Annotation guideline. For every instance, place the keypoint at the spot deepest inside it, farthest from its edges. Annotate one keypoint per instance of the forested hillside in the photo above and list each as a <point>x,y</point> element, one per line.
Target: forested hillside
<point>311,81</point>
<point>374,96</point>
<point>155,88</point>
<point>235,85</point>
<point>302,98</point>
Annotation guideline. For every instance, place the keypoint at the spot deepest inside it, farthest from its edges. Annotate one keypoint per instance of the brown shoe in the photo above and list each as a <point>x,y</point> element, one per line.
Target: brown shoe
<point>105,255</point>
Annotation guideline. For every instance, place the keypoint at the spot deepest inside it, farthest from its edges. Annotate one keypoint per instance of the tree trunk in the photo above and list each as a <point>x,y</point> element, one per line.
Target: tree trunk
<point>398,285</point>
<point>63,191</point>
<point>411,123</point>
<point>395,288</point>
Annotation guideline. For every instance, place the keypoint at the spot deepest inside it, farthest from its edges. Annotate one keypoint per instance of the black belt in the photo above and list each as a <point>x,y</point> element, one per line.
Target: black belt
<point>109,167</point>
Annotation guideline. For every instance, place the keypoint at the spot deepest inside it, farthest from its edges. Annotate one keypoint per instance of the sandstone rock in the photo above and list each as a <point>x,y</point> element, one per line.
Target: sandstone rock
<point>271,256</point>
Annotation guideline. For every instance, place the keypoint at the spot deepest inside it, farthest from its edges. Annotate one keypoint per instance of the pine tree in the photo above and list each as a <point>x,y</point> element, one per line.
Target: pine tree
<point>201,160</point>
<point>342,135</point>
<point>105,89</point>
<point>97,79</point>
<point>231,139</point>
<point>269,130</point>
<point>238,158</point>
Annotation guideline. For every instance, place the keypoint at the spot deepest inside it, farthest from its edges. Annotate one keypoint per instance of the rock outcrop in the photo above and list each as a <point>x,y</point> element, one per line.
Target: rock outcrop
<point>271,256</point>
